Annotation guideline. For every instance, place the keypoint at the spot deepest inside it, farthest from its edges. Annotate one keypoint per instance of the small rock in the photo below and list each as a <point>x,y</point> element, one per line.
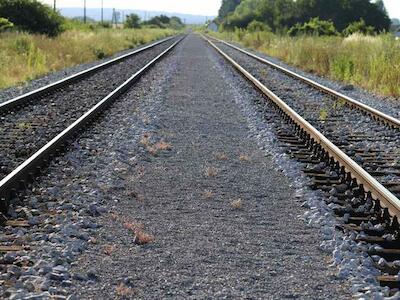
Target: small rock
<point>79,277</point>
<point>60,269</point>
<point>9,258</point>
<point>14,270</point>
<point>56,276</point>
<point>348,87</point>
<point>41,296</point>
<point>91,274</point>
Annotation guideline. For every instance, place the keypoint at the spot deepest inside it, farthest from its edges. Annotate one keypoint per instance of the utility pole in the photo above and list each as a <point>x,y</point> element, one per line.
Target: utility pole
<point>84,11</point>
<point>102,11</point>
<point>54,6</point>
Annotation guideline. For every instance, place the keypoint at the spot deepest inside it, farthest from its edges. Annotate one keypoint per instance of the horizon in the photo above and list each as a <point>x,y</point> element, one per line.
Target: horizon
<point>193,7</point>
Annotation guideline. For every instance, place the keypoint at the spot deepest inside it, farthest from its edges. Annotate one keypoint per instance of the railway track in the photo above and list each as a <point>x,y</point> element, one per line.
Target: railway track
<point>29,121</point>
<point>36,126</point>
<point>350,152</point>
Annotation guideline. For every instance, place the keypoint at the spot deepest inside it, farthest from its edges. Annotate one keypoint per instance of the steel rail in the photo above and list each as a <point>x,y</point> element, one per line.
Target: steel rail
<point>13,180</point>
<point>4,106</point>
<point>389,120</point>
<point>370,184</point>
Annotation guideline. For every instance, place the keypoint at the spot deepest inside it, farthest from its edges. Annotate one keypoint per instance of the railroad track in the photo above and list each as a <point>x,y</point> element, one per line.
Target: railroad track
<point>55,126</point>
<point>350,152</point>
<point>29,121</point>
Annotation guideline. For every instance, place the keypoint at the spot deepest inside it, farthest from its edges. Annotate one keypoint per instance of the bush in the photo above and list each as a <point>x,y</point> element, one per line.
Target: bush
<point>256,26</point>
<point>132,21</point>
<point>32,16</point>
<point>359,27</point>
<point>5,24</point>
<point>313,27</point>
<point>105,24</point>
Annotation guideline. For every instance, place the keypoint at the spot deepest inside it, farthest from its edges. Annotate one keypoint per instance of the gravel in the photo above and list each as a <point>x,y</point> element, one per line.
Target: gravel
<point>204,244</point>
<point>26,129</point>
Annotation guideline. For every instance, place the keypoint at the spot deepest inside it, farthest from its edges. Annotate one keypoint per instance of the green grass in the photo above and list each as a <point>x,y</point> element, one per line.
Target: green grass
<point>24,56</point>
<point>370,62</point>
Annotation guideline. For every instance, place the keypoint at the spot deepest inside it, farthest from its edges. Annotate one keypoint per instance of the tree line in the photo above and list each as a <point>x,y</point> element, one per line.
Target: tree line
<point>35,17</point>
<point>305,16</point>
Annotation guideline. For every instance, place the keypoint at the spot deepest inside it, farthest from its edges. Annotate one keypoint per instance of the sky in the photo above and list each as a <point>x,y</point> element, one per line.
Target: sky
<point>196,7</point>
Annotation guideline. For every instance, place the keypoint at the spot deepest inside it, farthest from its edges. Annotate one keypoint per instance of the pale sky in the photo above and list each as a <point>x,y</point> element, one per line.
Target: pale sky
<point>196,7</point>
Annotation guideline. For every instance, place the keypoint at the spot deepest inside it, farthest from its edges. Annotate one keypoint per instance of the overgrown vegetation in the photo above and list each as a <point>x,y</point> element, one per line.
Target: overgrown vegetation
<point>32,16</point>
<point>372,62</point>
<point>25,56</point>
<point>282,15</point>
<point>346,40</point>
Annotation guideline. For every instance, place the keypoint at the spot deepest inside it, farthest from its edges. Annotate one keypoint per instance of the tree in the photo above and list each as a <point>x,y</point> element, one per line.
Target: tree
<point>228,6</point>
<point>283,14</point>
<point>358,27</point>
<point>132,21</point>
<point>5,24</point>
<point>313,27</point>
<point>160,21</point>
<point>32,16</point>
<point>255,26</point>
<point>176,23</point>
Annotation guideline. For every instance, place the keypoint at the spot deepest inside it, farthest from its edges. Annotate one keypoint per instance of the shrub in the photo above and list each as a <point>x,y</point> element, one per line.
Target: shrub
<point>358,27</point>
<point>313,27</point>
<point>105,24</point>
<point>255,26</point>
<point>32,16</point>
<point>5,24</point>
<point>132,21</point>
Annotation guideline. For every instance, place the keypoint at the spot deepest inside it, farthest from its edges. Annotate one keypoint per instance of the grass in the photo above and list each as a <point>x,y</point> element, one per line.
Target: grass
<point>370,62</point>
<point>24,56</point>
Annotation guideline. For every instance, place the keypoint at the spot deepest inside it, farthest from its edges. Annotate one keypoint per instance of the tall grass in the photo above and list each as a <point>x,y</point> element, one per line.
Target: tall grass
<point>25,56</point>
<point>371,62</point>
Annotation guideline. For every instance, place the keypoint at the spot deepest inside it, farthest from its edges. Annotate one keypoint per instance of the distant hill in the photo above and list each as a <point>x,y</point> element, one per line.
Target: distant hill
<point>95,13</point>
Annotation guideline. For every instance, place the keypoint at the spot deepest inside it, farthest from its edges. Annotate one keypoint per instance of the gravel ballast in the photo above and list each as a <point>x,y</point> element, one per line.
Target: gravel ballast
<point>176,192</point>
<point>216,205</point>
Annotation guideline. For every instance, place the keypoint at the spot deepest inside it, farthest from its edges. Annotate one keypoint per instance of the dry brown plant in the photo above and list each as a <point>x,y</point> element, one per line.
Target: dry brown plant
<point>237,204</point>
<point>244,158</point>
<point>108,249</point>
<point>211,172</point>
<point>124,291</point>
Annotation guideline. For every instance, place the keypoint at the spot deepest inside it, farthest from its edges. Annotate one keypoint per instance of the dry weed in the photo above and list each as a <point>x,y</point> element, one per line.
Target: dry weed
<point>244,158</point>
<point>221,156</point>
<point>211,172</point>
<point>142,238</point>
<point>237,204</point>
<point>109,249</point>
<point>208,194</point>
<point>124,291</point>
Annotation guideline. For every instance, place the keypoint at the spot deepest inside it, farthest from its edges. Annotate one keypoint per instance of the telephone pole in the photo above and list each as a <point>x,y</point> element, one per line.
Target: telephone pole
<point>54,6</point>
<point>102,11</point>
<point>84,11</point>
